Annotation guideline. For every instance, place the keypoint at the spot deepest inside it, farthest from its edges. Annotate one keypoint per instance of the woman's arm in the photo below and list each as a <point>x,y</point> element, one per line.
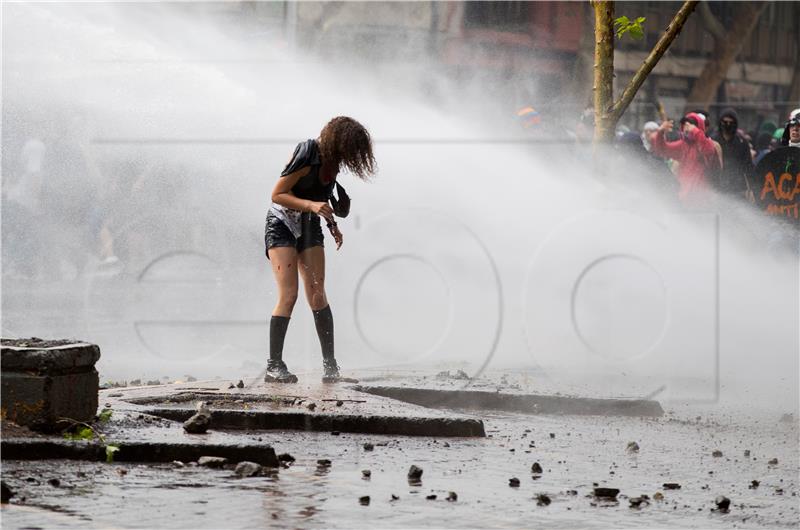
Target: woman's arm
<point>282,195</point>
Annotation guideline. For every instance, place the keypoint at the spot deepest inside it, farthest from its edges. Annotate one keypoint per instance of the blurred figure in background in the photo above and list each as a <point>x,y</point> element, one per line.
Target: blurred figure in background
<point>632,149</point>
<point>22,213</point>
<point>649,130</point>
<point>762,146</point>
<point>737,163</point>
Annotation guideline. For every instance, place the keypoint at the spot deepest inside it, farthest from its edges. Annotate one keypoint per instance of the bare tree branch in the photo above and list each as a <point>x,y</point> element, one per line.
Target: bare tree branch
<point>710,22</point>
<point>650,62</point>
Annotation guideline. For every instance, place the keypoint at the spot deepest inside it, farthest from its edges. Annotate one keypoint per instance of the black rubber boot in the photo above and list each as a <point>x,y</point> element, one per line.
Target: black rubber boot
<point>330,371</point>
<point>277,372</point>
<point>323,320</point>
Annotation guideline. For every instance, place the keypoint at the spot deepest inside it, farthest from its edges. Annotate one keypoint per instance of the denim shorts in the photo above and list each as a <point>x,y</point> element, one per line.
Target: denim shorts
<point>277,234</point>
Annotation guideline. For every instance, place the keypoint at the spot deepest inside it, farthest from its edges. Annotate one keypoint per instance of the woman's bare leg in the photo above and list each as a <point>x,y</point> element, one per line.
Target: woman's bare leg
<point>284,267</point>
<point>312,271</point>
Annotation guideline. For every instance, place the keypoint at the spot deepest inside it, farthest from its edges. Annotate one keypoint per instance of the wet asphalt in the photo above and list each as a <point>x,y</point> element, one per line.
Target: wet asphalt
<point>575,453</point>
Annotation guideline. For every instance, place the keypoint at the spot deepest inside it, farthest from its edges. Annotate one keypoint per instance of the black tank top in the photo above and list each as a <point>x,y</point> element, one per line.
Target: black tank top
<point>309,187</point>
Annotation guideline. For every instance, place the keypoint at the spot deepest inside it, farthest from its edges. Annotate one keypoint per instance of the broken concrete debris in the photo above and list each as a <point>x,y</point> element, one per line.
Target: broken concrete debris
<point>247,469</point>
<point>212,461</point>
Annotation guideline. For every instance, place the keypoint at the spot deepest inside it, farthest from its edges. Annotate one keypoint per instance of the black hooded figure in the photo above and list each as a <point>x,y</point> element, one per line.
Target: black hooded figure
<point>737,163</point>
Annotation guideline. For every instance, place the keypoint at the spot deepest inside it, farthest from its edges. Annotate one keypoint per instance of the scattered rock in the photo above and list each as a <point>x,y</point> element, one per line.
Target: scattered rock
<point>536,468</point>
<point>773,462</point>
<point>240,384</point>
<point>431,497</point>
<point>366,473</point>
<point>445,444</point>
<point>231,385</point>
<point>54,482</point>
<point>247,469</point>
<point>212,461</point>
<point>197,424</point>
<point>178,463</point>
<point>658,496</point>
<point>638,502</point>
<point>543,500</point>
<point>335,433</point>
<point>395,497</point>
<point>5,492</point>
<point>552,435</point>
<point>671,486</point>
<point>364,501</point>
<point>311,406</point>
<point>716,453</point>
<point>723,503</point>
<point>513,482</point>
<point>633,447</point>
<point>285,457</point>
<point>323,462</point>
<point>606,493</point>
<point>460,374</point>
<point>452,496</point>
<point>747,452</point>
<point>414,473</point>
<point>368,447</point>
<point>339,403</point>
<point>778,491</point>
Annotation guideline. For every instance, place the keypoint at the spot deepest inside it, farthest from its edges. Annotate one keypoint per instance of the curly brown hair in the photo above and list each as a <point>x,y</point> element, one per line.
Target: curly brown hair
<point>345,142</point>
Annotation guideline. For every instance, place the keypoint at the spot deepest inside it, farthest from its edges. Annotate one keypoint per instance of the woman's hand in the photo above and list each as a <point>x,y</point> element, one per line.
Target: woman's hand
<point>322,209</point>
<point>666,126</point>
<point>337,235</point>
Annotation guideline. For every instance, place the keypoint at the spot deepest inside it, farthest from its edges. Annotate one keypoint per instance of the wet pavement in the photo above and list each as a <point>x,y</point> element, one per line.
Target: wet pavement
<point>575,453</point>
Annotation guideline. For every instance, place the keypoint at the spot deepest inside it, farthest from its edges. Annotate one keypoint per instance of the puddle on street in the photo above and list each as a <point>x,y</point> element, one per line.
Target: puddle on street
<point>581,451</point>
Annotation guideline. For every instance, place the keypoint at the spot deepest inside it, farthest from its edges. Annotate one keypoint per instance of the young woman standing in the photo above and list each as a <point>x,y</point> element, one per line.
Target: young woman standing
<point>294,237</point>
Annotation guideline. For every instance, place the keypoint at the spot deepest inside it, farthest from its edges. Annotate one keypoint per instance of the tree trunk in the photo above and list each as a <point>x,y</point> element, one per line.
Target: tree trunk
<point>725,52</point>
<point>606,112</point>
<point>603,88</point>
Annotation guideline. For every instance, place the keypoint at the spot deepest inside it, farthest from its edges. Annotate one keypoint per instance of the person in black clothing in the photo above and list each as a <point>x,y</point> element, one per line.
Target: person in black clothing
<point>737,162</point>
<point>293,234</point>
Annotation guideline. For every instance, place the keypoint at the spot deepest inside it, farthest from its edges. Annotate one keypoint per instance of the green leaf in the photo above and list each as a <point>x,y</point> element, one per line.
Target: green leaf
<point>622,21</point>
<point>84,433</point>
<point>105,415</point>
<point>110,450</point>
<point>634,28</point>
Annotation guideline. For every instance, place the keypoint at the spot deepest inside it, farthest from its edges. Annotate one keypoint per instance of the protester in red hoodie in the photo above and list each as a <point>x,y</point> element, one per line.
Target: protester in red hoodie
<point>695,154</point>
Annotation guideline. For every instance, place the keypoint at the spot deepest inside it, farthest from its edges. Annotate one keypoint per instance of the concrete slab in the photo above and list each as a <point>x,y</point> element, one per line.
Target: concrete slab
<point>44,381</point>
<point>131,451</point>
<point>307,406</point>
<point>525,403</point>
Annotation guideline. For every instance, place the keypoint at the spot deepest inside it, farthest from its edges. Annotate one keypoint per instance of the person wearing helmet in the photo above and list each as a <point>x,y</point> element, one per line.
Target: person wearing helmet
<point>791,132</point>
